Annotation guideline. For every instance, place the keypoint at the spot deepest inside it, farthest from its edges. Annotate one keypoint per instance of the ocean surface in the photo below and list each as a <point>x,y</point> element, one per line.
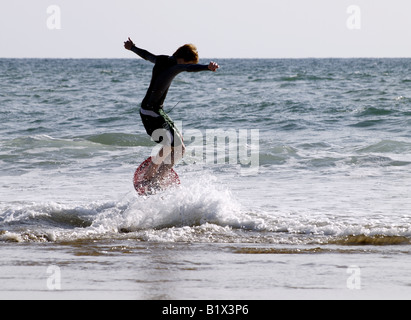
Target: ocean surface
<point>296,183</point>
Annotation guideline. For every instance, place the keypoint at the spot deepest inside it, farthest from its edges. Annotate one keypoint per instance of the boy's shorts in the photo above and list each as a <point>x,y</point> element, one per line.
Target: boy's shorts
<point>161,128</point>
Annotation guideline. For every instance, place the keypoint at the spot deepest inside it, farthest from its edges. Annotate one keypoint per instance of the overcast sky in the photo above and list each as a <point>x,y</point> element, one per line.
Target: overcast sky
<point>219,28</point>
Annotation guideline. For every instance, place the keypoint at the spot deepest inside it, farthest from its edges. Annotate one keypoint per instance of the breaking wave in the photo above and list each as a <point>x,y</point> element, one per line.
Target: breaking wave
<point>198,211</point>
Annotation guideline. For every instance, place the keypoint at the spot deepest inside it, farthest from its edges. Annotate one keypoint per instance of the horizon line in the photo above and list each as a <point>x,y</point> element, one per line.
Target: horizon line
<point>207,58</point>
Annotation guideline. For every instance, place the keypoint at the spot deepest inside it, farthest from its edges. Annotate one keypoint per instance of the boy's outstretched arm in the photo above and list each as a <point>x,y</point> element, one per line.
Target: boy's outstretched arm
<point>129,45</point>
<point>213,66</point>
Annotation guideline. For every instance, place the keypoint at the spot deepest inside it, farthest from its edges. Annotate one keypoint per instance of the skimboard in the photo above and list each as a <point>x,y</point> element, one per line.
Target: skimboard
<point>147,187</point>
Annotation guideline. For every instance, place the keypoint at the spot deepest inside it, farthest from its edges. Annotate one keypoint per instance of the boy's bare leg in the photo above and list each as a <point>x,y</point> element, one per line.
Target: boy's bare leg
<point>176,155</point>
<point>156,162</point>
<point>163,162</point>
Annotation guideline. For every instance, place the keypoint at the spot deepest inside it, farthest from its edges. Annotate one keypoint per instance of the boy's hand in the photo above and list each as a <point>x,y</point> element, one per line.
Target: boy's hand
<point>213,66</point>
<point>128,44</point>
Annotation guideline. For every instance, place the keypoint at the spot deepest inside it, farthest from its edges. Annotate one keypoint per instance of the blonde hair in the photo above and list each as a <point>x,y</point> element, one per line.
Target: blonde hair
<point>188,52</point>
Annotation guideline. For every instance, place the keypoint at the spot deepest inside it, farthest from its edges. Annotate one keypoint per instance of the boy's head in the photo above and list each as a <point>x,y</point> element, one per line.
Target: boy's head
<point>188,53</point>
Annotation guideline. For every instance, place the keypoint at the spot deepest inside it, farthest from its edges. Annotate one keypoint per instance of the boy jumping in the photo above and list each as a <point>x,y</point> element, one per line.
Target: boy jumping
<point>156,122</point>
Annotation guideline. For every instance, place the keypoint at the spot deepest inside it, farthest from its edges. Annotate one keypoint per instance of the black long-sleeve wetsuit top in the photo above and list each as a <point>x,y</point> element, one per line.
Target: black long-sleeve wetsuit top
<point>165,70</point>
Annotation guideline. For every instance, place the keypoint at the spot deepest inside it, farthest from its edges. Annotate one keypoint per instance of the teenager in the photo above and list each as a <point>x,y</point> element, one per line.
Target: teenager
<point>156,122</point>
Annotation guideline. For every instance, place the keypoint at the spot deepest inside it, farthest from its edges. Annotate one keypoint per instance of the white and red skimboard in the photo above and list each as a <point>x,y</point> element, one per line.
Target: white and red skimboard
<point>144,187</point>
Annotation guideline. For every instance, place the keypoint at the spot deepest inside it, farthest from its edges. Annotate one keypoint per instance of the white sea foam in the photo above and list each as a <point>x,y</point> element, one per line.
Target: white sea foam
<point>200,210</point>
<point>196,203</point>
